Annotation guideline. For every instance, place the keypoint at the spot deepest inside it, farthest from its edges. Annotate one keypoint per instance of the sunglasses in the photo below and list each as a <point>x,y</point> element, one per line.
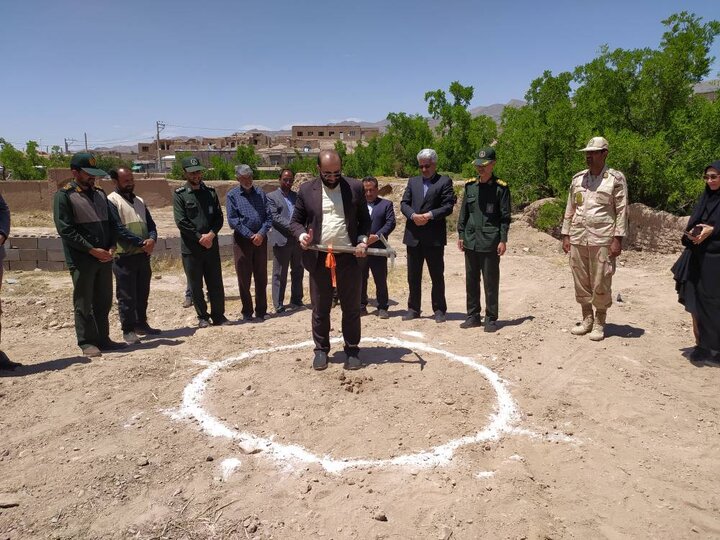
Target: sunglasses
<point>711,176</point>
<point>335,174</point>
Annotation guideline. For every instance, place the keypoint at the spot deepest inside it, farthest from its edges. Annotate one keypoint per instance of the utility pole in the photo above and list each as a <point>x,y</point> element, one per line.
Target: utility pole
<point>67,143</point>
<point>159,126</point>
<point>86,148</point>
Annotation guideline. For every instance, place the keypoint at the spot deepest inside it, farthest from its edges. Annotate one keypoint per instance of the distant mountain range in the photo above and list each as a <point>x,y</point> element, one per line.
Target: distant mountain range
<point>493,111</point>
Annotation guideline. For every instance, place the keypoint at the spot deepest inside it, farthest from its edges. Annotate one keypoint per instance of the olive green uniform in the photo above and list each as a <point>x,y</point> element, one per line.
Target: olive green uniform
<point>83,220</point>
<point>483,223</point>
<point>197,212</point>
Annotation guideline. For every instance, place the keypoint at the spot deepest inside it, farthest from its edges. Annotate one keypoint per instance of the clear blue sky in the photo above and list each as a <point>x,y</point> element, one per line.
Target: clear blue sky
<point>111,68</point>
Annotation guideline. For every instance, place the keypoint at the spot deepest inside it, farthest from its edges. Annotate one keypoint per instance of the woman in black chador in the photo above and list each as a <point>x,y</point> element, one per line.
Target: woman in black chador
<point>697,272</point>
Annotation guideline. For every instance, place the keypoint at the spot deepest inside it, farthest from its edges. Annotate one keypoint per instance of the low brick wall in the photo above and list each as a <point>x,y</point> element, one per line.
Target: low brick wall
<point>46,252</point>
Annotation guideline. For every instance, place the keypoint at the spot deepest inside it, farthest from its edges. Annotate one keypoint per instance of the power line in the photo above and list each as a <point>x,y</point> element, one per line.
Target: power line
<point>204,128</point>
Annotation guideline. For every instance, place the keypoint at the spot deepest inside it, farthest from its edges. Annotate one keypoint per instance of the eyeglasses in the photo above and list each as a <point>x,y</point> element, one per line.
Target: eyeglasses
<point>423,167</point>
<point>711,176</point>
<point>335,174</point>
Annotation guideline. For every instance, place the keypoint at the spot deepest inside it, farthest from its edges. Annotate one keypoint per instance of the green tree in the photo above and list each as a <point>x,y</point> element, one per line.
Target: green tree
<point>245,154</point>
<point>454,146</point>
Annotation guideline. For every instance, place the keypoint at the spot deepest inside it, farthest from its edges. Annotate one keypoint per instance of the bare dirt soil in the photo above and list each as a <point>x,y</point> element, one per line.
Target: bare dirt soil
<point>617,439</point>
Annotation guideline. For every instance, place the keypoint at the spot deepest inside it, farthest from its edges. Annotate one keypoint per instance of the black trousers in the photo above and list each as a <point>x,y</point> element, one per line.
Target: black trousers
<point>251,264</point>
<point>378,267</point>
<point>92,300</point>
<point>132,289</point>
<point>206,265</point>
<point>284,257</point>
<point>482,266</point>
<point>321,293</point>
<point>434,256</point>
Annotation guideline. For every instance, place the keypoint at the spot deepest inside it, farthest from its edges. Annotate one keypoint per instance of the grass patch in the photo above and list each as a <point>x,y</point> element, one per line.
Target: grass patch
<point>32,218</point>
<point>550,218</point>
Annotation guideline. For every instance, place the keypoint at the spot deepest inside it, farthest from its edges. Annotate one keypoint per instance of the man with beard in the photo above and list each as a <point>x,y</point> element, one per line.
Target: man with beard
<point>331,210</point>
<point>89,233</point>
<point>132,260</point>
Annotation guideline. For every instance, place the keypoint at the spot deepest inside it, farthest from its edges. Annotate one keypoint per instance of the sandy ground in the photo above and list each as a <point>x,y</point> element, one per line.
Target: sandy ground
<point>617,439</point>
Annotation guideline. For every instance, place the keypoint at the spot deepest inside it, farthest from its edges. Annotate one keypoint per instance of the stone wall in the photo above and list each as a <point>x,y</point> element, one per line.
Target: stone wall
<point>46,252</point>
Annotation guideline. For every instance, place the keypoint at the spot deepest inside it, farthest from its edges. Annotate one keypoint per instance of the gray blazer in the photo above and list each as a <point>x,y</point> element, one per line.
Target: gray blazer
<point>280,232</point>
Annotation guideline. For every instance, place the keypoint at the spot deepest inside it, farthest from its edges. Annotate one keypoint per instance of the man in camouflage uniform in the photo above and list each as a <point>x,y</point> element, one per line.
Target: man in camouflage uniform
<point>199,217</point>
<point>483,227</point>
<point>592,232</point>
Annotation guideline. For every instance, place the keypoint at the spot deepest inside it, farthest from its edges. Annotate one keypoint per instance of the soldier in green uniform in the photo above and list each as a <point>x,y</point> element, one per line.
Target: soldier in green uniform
<point>199,217</point>
<point>483,227</point>
<point>89,233</point>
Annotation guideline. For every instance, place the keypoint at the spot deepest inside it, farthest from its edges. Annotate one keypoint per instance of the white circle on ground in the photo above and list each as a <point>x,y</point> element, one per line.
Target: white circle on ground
<point>502,420</point>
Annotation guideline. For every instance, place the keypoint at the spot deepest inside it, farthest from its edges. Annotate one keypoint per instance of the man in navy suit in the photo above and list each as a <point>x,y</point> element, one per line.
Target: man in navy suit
<point>331,210</point>
<point>427,201</point>
<point>382,222</point>
<point>286,249</point>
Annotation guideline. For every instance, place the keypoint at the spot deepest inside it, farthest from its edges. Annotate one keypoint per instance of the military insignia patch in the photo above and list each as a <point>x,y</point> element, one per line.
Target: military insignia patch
<point>578,198</point>
<point>92,161</point>
<point>605,175</point>
<point>194,162</point>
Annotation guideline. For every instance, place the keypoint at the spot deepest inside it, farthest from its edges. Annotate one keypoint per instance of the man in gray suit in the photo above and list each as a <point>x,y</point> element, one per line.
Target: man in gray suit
<point>286,249</point>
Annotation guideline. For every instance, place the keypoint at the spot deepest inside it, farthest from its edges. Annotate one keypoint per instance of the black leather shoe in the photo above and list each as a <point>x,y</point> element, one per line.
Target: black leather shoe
<point>490,325</point>
<point>700,354</point>
<point>6,363</point>
<point>110,345</point>
<point>203,323</point>
<point>353,362</point>
<point>222,321</point>
<point>410,315</point>
<point>439,316</point>
<point>146,330</point>
<point>320,361</point>
<point>471,322</point>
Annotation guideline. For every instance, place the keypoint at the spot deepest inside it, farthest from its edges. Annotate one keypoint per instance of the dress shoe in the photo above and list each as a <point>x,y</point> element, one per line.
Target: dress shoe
<point>490,325</point>
<point>187,302</point>
<point>320,361</point>
<point>221,321</point>
<point>91,351</point>
<point>110,345</point>
<point>471,322</point>
<point>363,310</point>
<point>6,363</point>
<point>145,329</point>
<point>262,318</point>
<point>353,362</point>
<point>410,314</point>
<point>203,323</point>
<point>130,338</point>
<point>383,314</point>
<point>281,309</point>
<point>296,305</point>
<point>439,316</point>
<point>247,318</point>
<point>700,354</point>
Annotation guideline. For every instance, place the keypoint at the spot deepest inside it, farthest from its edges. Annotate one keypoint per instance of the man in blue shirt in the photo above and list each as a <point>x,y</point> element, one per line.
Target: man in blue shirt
<point>250,219</point>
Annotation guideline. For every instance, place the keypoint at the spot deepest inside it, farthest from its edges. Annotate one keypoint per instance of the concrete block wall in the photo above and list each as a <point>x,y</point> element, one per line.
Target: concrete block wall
<point>46,252</point>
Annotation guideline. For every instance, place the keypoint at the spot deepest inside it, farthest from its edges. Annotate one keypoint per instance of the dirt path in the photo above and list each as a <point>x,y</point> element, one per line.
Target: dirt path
<point>618,439</point>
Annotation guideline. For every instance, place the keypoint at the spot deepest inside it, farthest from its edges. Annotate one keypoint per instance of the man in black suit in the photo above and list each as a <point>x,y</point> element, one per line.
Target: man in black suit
<point>427,201</point>
<point>382,222</point>
<point>286,250</point>
<point>331,210</point>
